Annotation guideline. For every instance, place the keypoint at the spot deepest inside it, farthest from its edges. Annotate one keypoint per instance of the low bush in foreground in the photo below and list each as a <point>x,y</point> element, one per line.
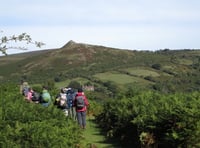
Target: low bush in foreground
<point>153,120</point>
<point>26,124</point>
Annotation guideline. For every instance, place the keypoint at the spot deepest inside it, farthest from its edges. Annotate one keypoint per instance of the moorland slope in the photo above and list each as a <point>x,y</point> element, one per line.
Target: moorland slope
<point>163,70</point>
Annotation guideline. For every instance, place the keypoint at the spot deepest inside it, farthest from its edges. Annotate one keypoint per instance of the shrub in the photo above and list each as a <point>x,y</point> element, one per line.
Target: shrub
<point>156,66</point>
<point>26,124</point>
<point>166,120</point>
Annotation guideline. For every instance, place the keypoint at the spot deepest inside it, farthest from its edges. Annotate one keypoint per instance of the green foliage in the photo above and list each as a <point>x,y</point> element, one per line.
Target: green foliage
<point>112,87</point>
<point>74,84</point>
<point>166,120</point>
<point>156,66</point>
<point>50,84</point>
<point>26,124</point>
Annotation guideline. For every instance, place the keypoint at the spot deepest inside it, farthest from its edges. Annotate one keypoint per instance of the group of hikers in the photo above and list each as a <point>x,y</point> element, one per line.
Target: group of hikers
<point>73,102</point>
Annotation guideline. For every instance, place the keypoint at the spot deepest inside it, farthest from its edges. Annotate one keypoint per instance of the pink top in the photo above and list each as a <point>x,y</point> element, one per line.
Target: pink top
<point>29,95</point>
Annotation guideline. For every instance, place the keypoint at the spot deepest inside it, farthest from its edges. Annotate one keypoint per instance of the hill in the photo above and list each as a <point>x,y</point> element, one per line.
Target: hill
<point>105,67</point>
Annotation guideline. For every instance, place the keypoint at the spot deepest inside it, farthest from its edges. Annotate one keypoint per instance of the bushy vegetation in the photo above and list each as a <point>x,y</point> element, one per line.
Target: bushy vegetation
<point>153,120</point>
<point>26,124</point>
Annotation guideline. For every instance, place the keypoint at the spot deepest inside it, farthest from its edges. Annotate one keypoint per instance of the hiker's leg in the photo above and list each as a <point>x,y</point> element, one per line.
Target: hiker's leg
<point>84,119</point>
<point>79,118</point>
<point>74,113</point>
<point>70,112</point>
<point>65,112</point>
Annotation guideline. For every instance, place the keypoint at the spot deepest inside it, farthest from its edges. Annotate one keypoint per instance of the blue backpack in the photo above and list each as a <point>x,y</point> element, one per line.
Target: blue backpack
<point>70,98</point>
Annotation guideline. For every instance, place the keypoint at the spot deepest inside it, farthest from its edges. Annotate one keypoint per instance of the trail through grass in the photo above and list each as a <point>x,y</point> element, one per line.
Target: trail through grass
<point>93,137</point>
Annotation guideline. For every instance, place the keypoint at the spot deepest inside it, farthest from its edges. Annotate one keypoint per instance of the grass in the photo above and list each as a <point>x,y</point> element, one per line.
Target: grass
<point>62,84</point>
<point>116,77</point>
<point>122,79</point>
<point>142,72</point>
<point>92,136</point>
<point>185,61</point>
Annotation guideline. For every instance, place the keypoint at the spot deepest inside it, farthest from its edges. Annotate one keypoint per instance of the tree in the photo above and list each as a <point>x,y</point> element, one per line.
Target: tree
<point>74,84</point>
<point>156,66</point>
<point>5,41</point>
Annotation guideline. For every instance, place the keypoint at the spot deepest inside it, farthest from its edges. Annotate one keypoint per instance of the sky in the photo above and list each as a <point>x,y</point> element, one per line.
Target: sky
<point>124,24</point>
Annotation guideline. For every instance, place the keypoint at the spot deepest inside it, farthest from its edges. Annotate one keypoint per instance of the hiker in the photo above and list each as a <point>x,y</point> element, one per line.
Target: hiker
<point>29,94</point>
<point>24,88</point>
<point>81,103</point>
<point>70,99</point>
<point>45,97</point>
<point>35,97</point>
<point>61,99</point>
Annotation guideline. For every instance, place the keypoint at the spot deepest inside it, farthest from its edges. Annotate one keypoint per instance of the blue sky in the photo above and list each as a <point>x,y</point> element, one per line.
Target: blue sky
<point>125,24</point>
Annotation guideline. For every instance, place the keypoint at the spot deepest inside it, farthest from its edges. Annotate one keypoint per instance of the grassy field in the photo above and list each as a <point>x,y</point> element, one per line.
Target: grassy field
<point>66,82</point>
<point>138,71</point>
<point>185,61</point>
<point>122,79</point>
<point>117,77</point>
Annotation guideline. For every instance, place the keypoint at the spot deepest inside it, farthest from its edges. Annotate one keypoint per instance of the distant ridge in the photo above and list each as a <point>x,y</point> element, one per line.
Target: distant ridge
<point>72,43</point>
<point>69,44</point>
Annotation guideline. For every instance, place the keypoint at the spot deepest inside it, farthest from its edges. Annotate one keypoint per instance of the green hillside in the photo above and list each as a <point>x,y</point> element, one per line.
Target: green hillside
<point>164,70</point>
<point>141,98</point>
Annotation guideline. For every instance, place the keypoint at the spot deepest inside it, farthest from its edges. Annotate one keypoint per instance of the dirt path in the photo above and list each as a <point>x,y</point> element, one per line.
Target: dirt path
<point>94,138</point>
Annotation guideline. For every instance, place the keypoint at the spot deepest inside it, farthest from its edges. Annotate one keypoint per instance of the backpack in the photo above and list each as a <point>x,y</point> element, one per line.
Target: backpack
<point>80,103</point>
<point>63,100</point>
<point>45,97</point>
<point>35,96</point>
<point>70,99</point>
